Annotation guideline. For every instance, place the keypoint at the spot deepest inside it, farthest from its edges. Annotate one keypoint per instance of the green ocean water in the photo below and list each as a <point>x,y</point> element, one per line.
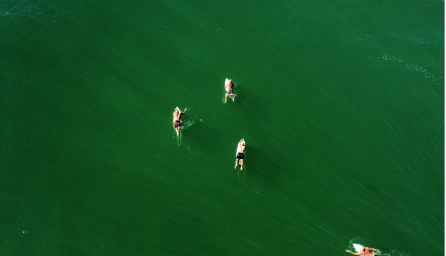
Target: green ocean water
<point>341,104</point>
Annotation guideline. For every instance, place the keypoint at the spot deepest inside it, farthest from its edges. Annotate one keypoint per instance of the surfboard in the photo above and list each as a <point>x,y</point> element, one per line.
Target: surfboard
<point>358,247</point>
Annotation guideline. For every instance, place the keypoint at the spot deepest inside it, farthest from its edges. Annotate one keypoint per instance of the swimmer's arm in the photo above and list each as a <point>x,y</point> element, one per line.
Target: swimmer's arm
<point>183,112</point>
<point>354,253</point>
<point>373,249</point>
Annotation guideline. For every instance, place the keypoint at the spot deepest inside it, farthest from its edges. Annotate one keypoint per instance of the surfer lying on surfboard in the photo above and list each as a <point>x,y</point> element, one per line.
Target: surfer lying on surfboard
<point>229,87</point>
<point>240,154</point>
<point>361,250</point>
<point>176,119</point>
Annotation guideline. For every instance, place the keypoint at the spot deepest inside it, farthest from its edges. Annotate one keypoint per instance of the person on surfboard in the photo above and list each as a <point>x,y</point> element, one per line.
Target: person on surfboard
<point>177,114</point>
<point>229,87</point>
<point>240,154</point>
<point>366,252</point>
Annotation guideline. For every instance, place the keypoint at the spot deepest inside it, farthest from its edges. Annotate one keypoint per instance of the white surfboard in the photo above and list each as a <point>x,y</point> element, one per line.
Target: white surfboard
<point>358,247</point>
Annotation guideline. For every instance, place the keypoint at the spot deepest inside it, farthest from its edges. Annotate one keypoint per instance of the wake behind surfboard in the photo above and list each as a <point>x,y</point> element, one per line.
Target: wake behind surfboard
<point>179,139</point>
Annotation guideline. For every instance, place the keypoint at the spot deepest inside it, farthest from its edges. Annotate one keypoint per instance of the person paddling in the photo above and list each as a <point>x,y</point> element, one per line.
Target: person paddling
<point>240,154</point>
<point>366,252</point>
<point>177,114</point>
<point>229,87</point>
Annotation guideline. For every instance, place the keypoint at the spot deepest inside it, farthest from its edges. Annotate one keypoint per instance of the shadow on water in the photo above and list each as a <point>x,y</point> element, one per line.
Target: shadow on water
<point>251,104</point>
<point>260,164</point>
<point>198,132</point>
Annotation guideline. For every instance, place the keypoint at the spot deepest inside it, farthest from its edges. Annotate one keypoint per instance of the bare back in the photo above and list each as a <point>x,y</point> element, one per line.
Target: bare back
<point>229,85</point>
<point>241,148</point>
<point>176,116</point>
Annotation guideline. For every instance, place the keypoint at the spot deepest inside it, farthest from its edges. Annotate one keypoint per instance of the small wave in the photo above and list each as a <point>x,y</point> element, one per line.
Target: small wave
<point>23,10</point>
<point>411,67</point>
